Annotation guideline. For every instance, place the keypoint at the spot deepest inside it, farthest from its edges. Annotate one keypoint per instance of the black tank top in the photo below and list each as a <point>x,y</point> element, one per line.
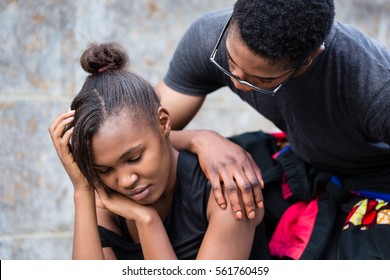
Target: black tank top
<point>186,222</point>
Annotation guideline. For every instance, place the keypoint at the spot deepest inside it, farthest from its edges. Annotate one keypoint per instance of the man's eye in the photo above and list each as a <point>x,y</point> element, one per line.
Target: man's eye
<point>266,81</point>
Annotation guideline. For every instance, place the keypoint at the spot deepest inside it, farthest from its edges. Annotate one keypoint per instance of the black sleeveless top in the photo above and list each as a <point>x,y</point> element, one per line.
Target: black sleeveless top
<point>186,222</point>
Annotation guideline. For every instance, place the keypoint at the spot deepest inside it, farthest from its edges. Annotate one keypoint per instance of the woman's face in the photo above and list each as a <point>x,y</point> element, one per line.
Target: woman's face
<point>133,158</point>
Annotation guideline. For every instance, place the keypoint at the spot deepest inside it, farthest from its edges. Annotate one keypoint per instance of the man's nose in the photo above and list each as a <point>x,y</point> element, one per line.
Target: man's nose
<point>240,86</point>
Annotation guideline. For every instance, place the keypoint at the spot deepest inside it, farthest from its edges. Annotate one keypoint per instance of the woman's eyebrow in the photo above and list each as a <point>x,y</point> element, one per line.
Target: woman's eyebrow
<point>129,151</point>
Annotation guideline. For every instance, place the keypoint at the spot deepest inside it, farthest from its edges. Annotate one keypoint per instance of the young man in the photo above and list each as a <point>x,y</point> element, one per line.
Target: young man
<point>323,83</point>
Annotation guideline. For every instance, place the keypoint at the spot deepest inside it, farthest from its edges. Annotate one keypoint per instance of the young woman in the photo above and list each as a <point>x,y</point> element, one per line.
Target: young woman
<point>136,197</point>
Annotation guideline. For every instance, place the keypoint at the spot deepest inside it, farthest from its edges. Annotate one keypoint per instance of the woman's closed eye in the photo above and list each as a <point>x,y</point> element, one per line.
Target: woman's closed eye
<point>104,171</point>
<point>134,158</point>
<point>129,159</point>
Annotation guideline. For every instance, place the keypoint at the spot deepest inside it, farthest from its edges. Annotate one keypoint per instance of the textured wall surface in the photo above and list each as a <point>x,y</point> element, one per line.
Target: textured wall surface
<point>41,42</point>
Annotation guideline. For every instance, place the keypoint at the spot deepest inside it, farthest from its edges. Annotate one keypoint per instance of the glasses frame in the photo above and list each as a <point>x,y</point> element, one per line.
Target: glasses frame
<point>272,92</point>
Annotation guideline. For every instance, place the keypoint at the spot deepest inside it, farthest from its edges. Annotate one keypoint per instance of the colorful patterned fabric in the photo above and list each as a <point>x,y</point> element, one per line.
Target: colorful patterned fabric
<point>309,223</point>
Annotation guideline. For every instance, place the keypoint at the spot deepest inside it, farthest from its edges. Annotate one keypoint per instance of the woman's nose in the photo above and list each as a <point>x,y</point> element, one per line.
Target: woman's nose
<point>126,178</point>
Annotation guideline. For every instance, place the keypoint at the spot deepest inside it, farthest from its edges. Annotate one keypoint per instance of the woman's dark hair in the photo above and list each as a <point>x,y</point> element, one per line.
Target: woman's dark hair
<point>283,31</point>
<point>108,90</point>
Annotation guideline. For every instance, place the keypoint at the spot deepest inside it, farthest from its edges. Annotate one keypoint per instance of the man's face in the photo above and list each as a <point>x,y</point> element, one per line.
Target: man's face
<point>252,68</point>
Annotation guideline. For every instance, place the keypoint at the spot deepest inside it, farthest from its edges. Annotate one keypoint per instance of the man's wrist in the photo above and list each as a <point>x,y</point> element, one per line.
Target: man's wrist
<point>200,139</point>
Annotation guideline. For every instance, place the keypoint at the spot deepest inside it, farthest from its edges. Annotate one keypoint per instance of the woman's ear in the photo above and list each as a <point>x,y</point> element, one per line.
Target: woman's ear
<point>164,121</point>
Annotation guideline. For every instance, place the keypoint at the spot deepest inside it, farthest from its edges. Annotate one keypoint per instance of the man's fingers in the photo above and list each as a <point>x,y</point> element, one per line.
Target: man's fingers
<point>256,182</point>
<point>246,191</point>
<point>232,193</point>
<point>218,193</point>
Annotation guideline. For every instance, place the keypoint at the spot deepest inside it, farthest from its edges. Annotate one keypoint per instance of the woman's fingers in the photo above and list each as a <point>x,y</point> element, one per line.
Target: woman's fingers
<point>58,125</point>
<point>59,138</point>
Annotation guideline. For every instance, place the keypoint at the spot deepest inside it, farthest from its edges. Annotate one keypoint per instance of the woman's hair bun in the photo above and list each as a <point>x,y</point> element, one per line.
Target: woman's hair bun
<point>99,58</point>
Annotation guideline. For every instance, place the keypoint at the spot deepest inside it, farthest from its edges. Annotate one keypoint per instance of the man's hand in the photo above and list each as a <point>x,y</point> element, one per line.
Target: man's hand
<point>230,170</point>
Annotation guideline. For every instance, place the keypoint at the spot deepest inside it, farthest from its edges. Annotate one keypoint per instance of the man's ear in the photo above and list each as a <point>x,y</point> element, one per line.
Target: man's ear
<point>311,58</point>
<point>314,54</point>
<point>164,121</point>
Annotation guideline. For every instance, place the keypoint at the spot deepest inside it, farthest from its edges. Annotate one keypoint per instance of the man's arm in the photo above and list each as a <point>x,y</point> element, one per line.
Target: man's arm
<point>182,107</point>
<point>226,165</point>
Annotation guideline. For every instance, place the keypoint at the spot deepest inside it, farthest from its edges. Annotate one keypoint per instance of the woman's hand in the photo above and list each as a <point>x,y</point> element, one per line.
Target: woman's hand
<point>123,206</point>
<point>230,168</point>
<point>61,144</point>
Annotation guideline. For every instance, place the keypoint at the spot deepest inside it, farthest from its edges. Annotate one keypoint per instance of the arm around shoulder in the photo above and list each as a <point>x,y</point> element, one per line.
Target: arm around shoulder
<point>182,107</point>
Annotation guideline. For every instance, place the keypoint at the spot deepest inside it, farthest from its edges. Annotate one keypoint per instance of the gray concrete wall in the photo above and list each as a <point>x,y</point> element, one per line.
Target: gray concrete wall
<point>41,42</point>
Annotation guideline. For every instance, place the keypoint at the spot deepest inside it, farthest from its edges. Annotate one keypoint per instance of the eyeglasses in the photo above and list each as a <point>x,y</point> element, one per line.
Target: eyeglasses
<point>228,73</point>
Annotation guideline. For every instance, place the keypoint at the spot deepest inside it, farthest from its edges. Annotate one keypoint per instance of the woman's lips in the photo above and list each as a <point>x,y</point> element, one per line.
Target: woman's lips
<point>139,193</point>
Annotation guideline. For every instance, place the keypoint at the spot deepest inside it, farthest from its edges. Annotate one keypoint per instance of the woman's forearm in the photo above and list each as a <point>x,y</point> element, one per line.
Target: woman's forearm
<point>86,241</point>
<point>154,239</point>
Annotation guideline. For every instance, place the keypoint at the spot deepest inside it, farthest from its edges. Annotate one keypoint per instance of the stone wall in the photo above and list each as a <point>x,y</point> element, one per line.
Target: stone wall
<point>40,74</point>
